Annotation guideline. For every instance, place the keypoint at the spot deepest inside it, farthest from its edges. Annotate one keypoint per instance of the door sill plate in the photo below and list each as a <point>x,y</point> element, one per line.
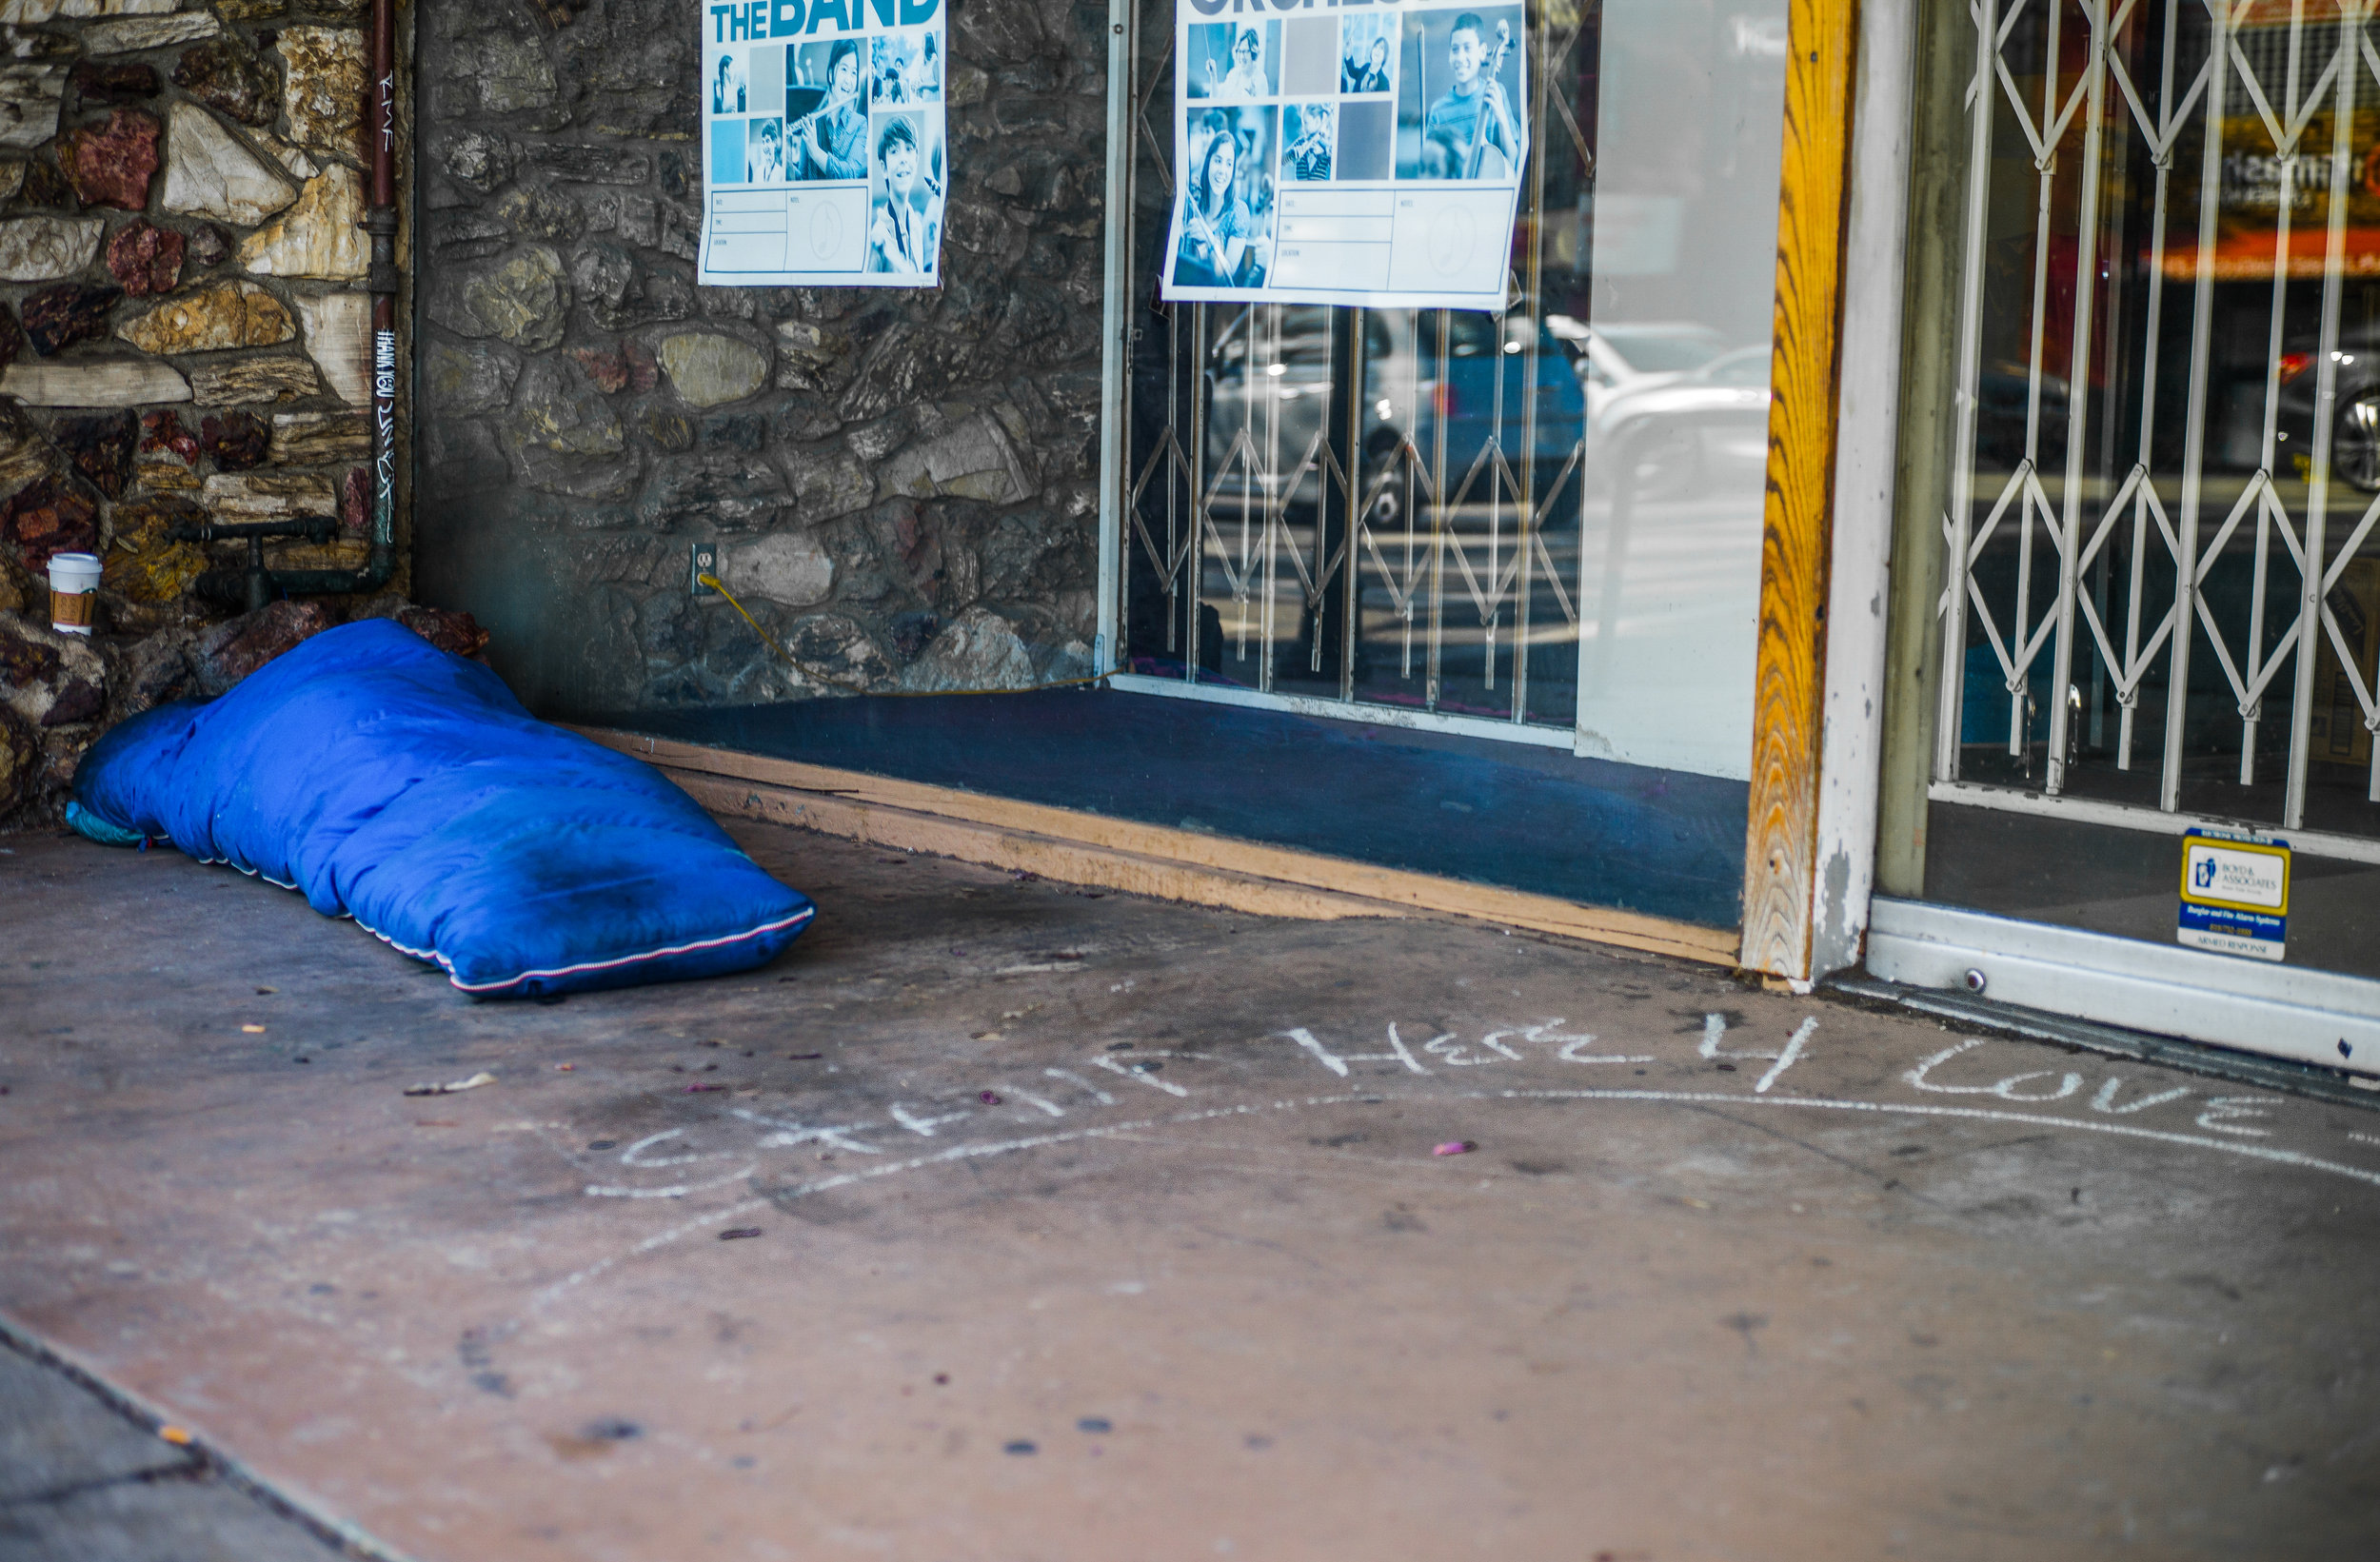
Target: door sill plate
<point>2318,1018</point>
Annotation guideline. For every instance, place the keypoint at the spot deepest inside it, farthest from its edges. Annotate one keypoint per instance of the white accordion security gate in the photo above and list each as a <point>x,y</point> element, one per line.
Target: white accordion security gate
<point>2158,80</point>
<point>2159,524</point>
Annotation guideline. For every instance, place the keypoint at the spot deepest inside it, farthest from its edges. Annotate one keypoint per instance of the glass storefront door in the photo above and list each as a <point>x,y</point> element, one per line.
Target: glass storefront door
<point>2158,553</point>
<point>1541,524</point>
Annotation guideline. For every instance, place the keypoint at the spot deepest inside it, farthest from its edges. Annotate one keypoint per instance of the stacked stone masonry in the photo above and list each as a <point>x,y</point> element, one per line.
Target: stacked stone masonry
<point>182,332</point>
<point>903,483</point>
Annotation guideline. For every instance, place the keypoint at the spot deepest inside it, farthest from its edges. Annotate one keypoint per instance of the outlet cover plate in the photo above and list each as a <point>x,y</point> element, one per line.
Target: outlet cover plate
<point>705,562</point>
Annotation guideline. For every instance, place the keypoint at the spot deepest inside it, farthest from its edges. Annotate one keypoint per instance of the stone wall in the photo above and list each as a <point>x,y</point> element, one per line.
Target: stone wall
<point>902,484</point>
<point>182,330</point>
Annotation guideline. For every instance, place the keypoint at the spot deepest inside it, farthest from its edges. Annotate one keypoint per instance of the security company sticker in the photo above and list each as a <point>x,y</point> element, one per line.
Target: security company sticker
<point>2235,895</point>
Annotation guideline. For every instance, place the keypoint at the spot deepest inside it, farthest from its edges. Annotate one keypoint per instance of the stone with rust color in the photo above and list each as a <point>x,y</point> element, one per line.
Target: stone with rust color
<point>145,566</point>
<point>222,74</point>
<point>209,174</point>
<point>100,444</point>
<point>146,259</point>
<point>56,317</point>
<point>78,699</point>
<point>230,651</point>
<point>318,237</point>
<point>355,501</point>
<point>254,380</point>
<point>55,515</point>
<point>163,432</point>
<point>320,438</point>
<point>236,441</point>
<point>211,319</point>
<point>644,369</point>
<point>449,629</point>
<point>99,86</point>
<point>169,452</point>
<point>324,92</point>
<point>111,164</point>
<point>607,366</point>
<point>46,249</point>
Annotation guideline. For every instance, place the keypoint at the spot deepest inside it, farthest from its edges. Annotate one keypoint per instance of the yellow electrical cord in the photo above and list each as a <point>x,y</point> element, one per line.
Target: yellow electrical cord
<point>712,580</point>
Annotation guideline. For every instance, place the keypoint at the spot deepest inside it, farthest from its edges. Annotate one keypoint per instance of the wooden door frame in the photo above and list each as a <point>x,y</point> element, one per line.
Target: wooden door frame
<point>1820,678</point>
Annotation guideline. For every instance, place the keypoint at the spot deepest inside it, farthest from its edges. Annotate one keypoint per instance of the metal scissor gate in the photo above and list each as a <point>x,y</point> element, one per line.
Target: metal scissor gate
<point>2168,424</point>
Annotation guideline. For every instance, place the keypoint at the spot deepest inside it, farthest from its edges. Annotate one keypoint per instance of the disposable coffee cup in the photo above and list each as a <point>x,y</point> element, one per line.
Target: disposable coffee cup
<point>74,592</point>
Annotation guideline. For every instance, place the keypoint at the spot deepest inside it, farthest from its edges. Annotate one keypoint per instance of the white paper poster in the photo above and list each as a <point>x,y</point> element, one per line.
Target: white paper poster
<point>822,143</point>
<point>1361,154</point>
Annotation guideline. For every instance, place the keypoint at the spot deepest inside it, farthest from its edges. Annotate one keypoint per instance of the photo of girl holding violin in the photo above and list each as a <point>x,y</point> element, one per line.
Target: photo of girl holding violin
<point>1223,235</point>
<point>1310,131</point>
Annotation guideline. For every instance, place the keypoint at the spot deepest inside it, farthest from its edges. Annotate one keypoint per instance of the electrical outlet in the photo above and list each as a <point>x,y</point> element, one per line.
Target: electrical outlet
<point>706,562</point>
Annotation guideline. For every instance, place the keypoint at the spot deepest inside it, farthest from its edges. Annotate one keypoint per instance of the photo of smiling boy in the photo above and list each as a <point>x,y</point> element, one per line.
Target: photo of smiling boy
<point>904,228</point>
<point>1469,131</point>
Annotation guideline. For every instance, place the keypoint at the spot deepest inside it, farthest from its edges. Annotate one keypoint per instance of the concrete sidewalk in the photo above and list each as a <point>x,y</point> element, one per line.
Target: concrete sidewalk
<point>1081,1226</point>
<point>83,1480</point>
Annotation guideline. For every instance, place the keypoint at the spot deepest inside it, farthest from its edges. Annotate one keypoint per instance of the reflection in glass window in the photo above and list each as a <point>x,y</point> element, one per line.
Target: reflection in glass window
<point>1542,516</point>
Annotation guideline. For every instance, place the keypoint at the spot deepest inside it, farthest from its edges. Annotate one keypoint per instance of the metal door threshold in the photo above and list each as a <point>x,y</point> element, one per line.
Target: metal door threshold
<point>2061,975</point>
<point>2337,1087</point>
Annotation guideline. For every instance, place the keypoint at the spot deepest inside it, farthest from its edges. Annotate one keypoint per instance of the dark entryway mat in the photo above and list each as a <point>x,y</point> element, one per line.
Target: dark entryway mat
<point>1515,815</point>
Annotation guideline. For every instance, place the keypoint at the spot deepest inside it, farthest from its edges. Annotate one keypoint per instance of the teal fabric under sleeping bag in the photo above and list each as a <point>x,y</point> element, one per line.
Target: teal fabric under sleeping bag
<point>390,782</point>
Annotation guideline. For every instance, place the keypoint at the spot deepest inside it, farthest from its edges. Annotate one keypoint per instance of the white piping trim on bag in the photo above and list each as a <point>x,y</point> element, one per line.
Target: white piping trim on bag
<point>433,956</point>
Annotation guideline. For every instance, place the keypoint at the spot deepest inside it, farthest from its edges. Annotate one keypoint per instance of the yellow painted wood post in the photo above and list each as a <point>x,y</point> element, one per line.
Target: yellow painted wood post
<point>1780,848</point>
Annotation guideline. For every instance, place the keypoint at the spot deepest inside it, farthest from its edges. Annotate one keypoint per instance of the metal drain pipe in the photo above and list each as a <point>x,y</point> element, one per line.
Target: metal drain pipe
<point>380,221</point>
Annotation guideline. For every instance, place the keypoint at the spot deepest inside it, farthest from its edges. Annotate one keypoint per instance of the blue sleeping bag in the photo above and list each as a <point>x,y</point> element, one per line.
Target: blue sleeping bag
<point>392,783</point>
